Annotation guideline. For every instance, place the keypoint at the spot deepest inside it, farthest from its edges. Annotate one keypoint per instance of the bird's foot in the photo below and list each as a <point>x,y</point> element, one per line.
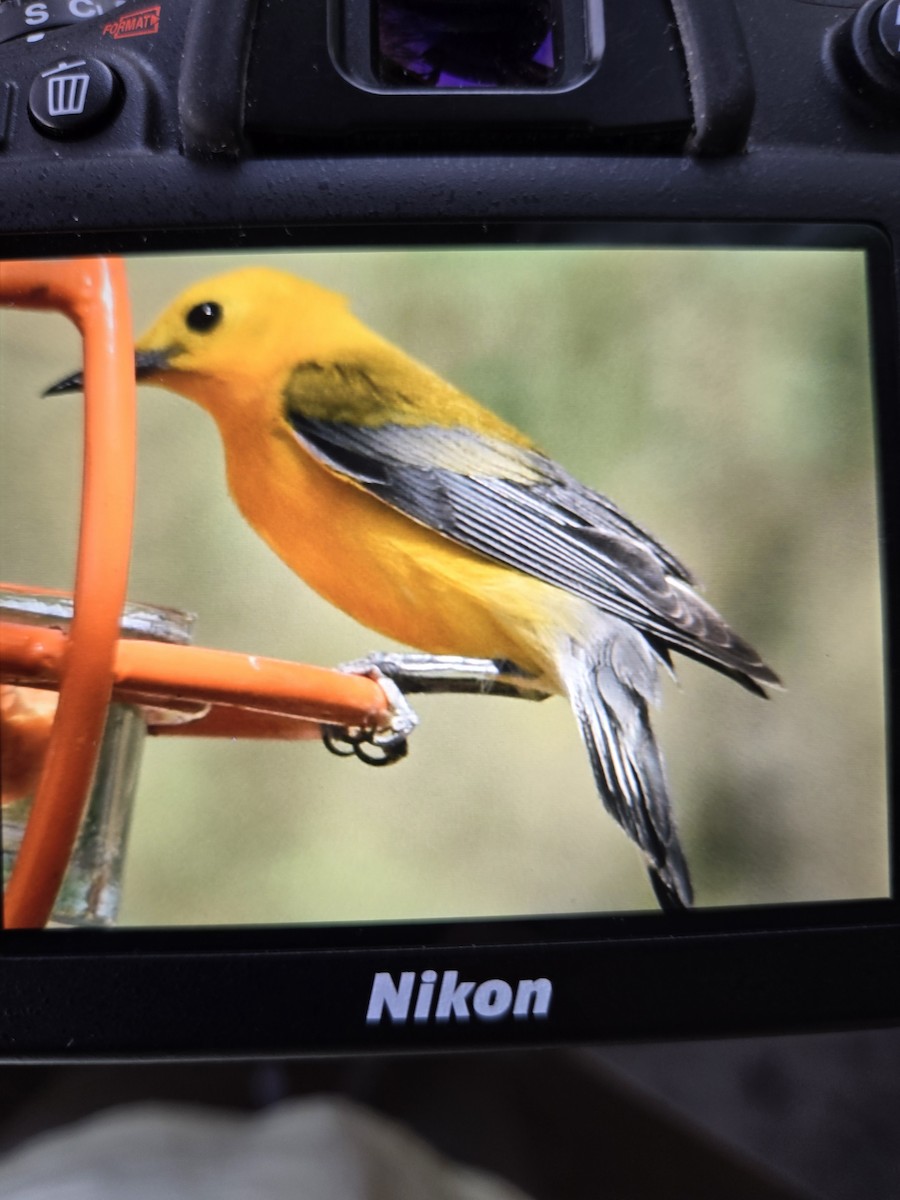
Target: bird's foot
<point>375,747</point>
<point>446,673</point>
<point>420,673</point>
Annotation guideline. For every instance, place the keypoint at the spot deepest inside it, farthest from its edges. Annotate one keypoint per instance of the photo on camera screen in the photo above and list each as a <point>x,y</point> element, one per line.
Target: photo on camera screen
<point>720,397</point>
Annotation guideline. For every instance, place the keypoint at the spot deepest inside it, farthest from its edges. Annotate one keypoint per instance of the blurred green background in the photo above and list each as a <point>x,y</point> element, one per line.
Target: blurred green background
<point>721,397</point>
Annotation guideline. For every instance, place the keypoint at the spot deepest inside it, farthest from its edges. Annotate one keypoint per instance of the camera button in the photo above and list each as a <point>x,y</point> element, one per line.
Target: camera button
<point>73,98</point>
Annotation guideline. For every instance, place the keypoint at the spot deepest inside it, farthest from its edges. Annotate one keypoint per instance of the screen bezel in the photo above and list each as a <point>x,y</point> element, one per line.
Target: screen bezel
<point>759,968</point>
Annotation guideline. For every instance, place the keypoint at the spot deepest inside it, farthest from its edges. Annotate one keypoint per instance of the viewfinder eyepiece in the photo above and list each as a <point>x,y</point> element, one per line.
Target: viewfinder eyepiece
<point>467,43</point>
<point>475,45</point>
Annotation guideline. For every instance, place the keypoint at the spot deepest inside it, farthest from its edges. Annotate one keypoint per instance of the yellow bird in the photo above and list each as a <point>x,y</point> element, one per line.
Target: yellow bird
<point>407,504</point>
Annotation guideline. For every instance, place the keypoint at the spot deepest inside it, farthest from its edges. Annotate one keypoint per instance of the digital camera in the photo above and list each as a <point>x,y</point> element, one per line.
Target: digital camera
<point>660,240</point>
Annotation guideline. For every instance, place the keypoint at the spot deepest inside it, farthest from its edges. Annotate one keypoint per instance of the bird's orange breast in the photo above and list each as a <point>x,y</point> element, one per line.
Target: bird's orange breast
<point>391,573</point>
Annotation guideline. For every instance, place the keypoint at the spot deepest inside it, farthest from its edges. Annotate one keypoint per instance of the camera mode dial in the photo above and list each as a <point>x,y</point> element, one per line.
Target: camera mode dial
<point>866,51</point>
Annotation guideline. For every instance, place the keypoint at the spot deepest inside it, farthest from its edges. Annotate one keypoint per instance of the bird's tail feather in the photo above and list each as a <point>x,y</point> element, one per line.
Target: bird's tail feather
<point>612,712</point>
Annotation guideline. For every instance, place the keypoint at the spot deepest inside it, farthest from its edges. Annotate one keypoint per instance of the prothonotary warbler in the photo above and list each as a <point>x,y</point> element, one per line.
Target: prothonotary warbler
<point>431,520</point>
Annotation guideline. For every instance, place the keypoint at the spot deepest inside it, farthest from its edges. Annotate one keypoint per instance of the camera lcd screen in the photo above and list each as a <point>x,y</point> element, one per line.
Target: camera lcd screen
<point>721,396</point>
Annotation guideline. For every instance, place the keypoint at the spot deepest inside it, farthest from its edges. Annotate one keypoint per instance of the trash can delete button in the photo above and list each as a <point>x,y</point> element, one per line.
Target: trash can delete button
<point>74,98</point>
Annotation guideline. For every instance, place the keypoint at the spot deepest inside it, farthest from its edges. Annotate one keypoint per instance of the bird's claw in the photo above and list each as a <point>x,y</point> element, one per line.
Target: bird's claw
<point>364,744</point>
<point>375,747</point>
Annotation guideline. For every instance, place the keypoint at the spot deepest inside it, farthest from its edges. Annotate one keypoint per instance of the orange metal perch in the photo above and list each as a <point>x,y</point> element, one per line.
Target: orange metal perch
<point>94,294</point>
<point>219,693</point>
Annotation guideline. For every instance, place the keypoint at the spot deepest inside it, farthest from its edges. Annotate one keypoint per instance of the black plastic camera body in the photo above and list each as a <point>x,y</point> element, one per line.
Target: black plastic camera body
<point>259,124</point>
<point>200,117</point>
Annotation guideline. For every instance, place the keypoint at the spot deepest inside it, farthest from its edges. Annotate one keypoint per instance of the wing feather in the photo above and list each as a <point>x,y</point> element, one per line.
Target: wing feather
<point>516,506</point>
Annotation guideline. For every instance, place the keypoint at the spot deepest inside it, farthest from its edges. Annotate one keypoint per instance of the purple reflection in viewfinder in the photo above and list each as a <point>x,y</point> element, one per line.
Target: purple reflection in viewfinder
<point>465,43</point>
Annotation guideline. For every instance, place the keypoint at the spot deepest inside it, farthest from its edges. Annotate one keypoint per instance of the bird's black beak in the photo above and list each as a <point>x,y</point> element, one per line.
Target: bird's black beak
<point>71,383</point>
<point>146,363</point>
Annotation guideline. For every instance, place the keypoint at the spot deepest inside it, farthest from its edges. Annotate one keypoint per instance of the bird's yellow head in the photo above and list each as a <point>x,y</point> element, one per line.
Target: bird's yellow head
<point>231,340</point>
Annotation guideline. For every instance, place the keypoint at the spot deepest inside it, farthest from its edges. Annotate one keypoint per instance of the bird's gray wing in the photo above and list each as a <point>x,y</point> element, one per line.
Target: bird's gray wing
<point>519,508</point>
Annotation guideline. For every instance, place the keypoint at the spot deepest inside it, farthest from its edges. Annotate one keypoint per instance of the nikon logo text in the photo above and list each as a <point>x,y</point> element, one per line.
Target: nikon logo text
<point>426,998</point>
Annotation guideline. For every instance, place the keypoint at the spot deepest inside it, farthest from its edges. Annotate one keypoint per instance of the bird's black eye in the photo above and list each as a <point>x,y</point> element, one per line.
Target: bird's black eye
<point>204,317</point>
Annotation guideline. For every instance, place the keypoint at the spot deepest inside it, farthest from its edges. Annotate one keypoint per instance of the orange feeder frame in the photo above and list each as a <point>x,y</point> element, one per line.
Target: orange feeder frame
<point>226,693</point>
